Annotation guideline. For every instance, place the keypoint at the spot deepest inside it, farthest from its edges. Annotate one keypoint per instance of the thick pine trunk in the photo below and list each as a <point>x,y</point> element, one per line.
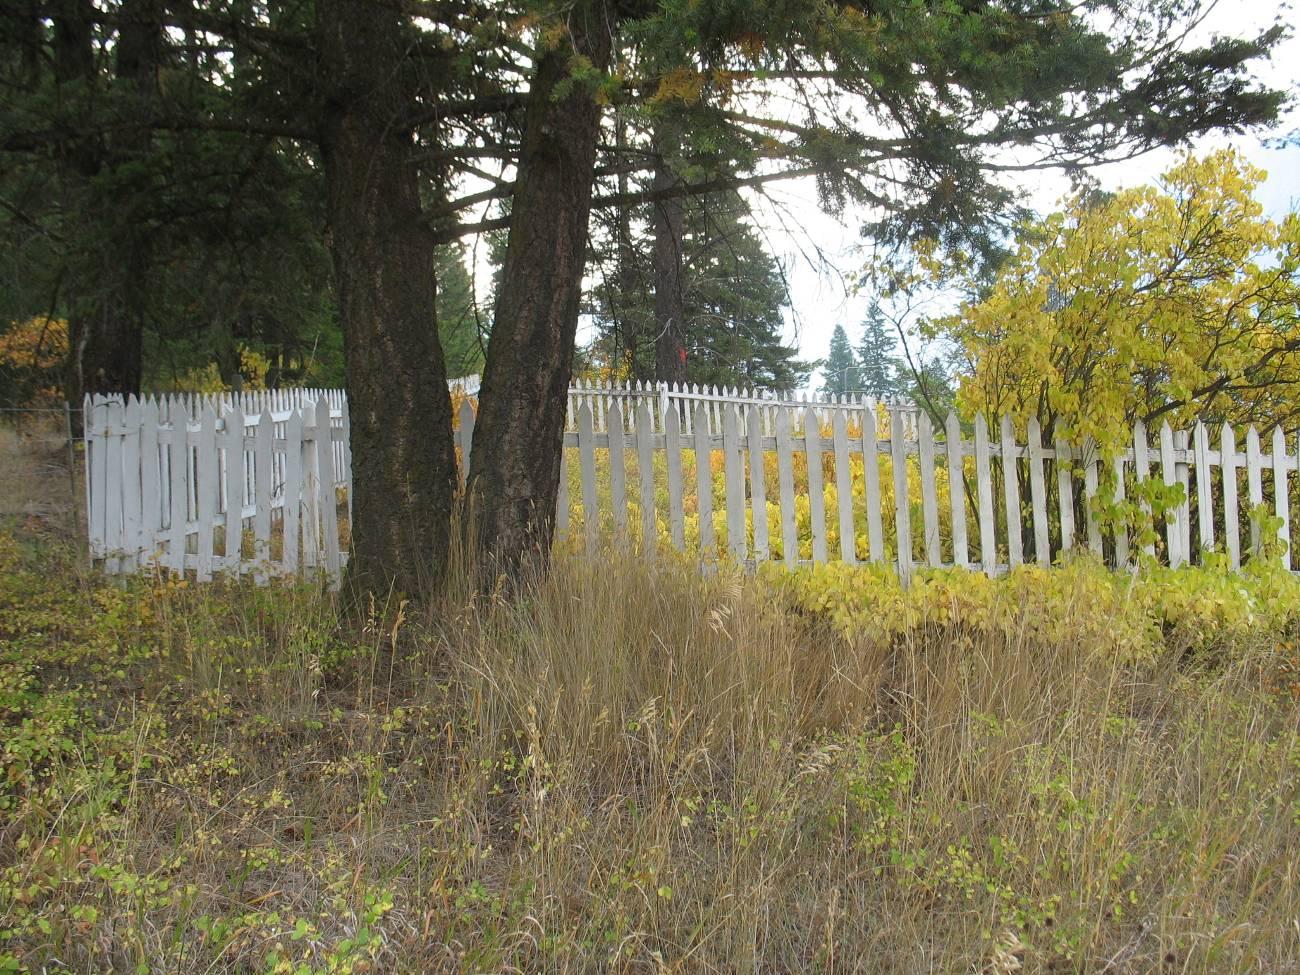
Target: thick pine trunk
<point>109,293</point>
<point>670,311</point>
<point>104,343</point>
<point>403,459</point>
<point>515,466</point>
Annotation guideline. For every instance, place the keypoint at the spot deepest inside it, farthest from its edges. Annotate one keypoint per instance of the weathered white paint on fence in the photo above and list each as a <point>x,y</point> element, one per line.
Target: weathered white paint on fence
<point>270,475</point>
<point>1011,493</point>
<point>166,476</point>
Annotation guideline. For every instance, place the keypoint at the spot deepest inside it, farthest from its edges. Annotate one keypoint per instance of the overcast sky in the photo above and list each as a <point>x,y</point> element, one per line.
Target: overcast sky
<point>821,298</point>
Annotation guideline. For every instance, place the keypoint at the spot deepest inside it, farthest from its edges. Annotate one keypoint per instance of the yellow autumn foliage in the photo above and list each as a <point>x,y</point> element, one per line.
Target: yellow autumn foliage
<point>1177,302</point>
<point>32,353</point>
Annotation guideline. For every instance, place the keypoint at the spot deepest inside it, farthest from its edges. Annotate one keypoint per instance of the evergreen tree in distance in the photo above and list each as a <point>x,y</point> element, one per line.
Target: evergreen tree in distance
<point>840,372</point>
<point>733,299</point>
<point>880,370</point>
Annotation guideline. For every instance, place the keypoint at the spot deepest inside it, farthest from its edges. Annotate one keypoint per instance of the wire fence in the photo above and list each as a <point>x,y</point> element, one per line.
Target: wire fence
<point>42,479</point>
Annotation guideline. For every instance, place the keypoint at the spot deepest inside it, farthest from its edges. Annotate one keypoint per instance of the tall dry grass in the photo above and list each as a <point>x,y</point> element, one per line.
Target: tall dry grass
<point>633,768</point>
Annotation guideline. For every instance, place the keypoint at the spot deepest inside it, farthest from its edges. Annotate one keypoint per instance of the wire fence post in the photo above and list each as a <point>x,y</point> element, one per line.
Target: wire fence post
<point>72,467</point>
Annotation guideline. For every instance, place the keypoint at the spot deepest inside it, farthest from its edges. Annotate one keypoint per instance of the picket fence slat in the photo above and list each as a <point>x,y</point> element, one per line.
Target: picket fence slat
<point>812,438</point>
<point>617,466</point>
<point>902,503</point>
<point>1173,530</point>
<point>262,455</point>
<point>1064,491</point>
<point>757,482</point>
<point>646,476</point>
<point>165,475</point>
<point>871,472</point>
<point>1228,458</point>
<point>1204,488</point>
<point>957,491</point>
<point>232,555</point>
<point>1281,507</point>
<point>587,474</point>
<point>178,467</point>
<point>844,486</point>
<point>676,512</point>
<point>1091,485</point>
<point>1141,471</point>
<point>291,539</point>
<point>785,487</point>
<point>1254,484</point>
<point>704,478</point>
<point>733,466</point>
<point>1038,493</point>
<point>929,494</point>
<point>1011,493</point>
<point>1121,530</point>
<point>205,497</point>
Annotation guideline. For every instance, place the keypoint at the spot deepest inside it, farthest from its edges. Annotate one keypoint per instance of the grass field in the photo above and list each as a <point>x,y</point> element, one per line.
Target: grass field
<point>627,768</point>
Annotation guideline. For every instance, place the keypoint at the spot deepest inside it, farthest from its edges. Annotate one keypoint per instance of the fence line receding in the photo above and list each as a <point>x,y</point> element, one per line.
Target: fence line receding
<point>259,484</point>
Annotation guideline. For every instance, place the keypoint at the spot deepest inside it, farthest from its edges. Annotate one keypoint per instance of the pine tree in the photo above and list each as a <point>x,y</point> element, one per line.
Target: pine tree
<point>733,300</point>
<point>840,372</point>
<point>879,366</point>
<point>458,322</point>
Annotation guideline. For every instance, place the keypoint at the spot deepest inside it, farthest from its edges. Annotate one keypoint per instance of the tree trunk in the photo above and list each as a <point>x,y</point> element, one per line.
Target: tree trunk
<point>629,326</point>
<point>403,458</point>
<point>670,311</point>
<point>519,434</point>
<point>108,295</point>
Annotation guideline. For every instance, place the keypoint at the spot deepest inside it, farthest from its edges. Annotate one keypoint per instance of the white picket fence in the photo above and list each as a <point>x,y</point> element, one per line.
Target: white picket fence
<point>170,481</point>
<point>250,483</point>
<point>661,397</point>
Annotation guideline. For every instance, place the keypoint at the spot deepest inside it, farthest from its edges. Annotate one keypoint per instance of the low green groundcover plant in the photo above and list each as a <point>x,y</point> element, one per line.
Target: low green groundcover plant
<point>635,767</point>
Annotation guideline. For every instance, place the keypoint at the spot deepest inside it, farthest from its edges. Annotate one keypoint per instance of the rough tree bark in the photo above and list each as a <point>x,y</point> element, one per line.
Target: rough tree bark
<point>105,344</point>
<point>670,310</point>
<point>403,457</point>
<point>515,469</point>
